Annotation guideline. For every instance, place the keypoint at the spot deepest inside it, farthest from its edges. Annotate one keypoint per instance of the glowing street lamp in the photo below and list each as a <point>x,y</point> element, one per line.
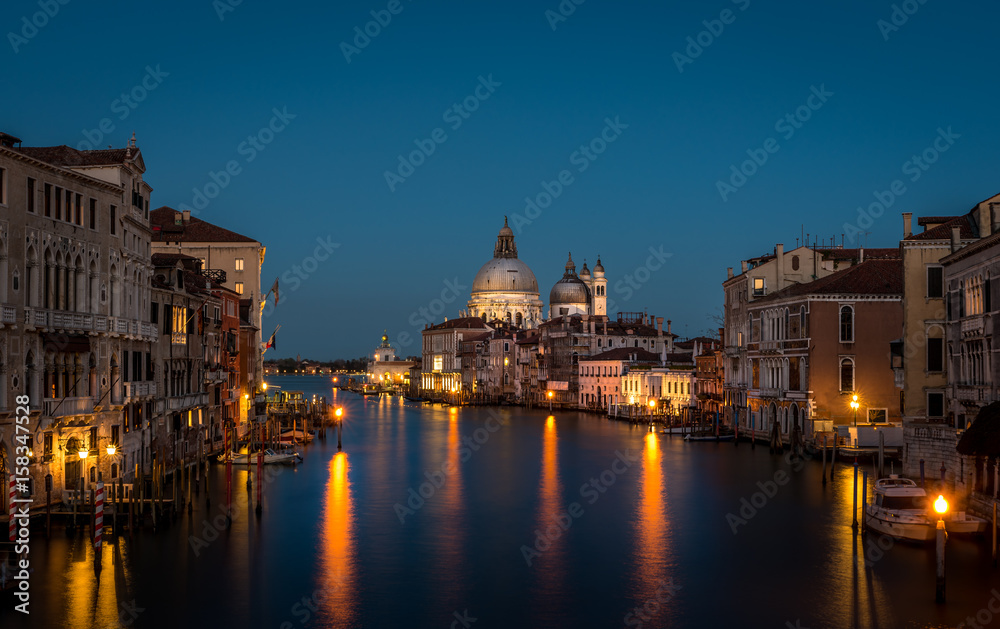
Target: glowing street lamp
<point>83,454</point>
<point>855,405</point>
<point>550,394</point>
<point>340,422</point>
<point>941,507</point>
<point>111,449</point>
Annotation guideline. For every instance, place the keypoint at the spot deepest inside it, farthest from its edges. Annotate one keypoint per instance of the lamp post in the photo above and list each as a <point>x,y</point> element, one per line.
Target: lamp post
<point>941,507</point>
<point>339,413</point>
<point>550,394</point>
<point>855,405</point>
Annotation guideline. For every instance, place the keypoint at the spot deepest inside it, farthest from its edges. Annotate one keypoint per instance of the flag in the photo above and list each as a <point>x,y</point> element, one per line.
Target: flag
<point>274,289</point>
<point>270,342</point>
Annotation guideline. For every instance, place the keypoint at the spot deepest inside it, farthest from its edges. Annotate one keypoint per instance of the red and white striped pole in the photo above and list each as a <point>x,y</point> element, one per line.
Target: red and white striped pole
<point>12,495</point>
<point>98,520</point>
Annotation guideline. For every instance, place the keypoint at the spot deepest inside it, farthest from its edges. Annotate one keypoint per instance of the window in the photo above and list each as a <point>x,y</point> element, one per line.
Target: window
<point>78,210</point>
<point>935,281</point>
<point>31,195</point>
<point>758,287</point>
<point>239,264</point>
<point>878,415</point>
<point>114,220</point>
<point>846,324</point>
<point>846,374</point>
<point>438,363</point>
<point>47,199</point>
<point>58,203</point>
<point>935,354</point>
<point>935,404</point>
<point>93,213</point>
<point>3,186</point>
<point>795,263</point>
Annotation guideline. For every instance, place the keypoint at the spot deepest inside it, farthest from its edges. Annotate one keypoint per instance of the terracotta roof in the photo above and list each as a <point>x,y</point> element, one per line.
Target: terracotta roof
<point>161,220</point>
<point>66,156</point>
<point>871,277</point>
<point>975,247</point>
<point>853,254</point>
<point>464,322</point>
<point>530,337</point>
<point>677,357</point>
<point>933,220</point>
<point>943,231</point>
<point>482,336</point>
<point>625,353</point>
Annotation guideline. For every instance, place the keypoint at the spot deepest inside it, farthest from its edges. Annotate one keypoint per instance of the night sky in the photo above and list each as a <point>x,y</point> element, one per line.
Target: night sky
<point>677,115</point>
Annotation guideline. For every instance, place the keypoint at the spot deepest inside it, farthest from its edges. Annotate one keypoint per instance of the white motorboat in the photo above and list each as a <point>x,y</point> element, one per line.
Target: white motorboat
<point>270,458</point>
<point>900,508</point>
<point>961,523</point>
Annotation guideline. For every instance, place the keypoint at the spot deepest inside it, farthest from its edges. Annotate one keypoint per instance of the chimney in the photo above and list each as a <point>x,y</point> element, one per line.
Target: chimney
<point>178,218</point>
<point>729,273</point>
<point>659,326</point>
<point>956,238</point>
<point>668,326</point>
<point>779,253</point>
<point>187,216</point>
<point>743,266</point>
<point>721,332</point>
<point>996,219</point>
<point>985,220</point>
<point>861,255</point>
<point>907,224</point>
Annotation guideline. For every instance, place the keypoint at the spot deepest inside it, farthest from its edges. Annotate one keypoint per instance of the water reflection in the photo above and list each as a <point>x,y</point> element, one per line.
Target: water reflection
<point>335,594</point>
<point>450,525</point>
<point>550,539</point>
<point>93,595</point>
<point>651,572</point>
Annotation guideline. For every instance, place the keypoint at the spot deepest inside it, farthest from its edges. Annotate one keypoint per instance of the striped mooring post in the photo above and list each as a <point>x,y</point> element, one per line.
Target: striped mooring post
<point>98,520</point>
<point>11,496</point>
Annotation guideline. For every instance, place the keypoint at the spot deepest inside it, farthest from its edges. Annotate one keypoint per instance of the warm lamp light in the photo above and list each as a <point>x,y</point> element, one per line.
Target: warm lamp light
<point>263,386</point>
<point>631,399</point>
<point>83,454</point>
<point>941,505</point>
<point>339,412</point>
<point>652,404</point>
<point>550,394</point>
<point>111,449</point>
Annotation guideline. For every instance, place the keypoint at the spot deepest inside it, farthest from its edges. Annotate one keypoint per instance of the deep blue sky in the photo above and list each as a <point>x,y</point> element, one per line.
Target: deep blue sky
<point>655,186</point>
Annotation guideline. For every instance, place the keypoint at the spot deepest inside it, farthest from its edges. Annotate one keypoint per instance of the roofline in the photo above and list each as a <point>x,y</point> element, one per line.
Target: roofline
<point>60,169</point>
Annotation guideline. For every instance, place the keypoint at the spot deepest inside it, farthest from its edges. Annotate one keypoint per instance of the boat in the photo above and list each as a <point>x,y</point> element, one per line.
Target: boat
<point>270,457</point>
<point>708,437</point>
<point>900,508</point>
<point>297,435</point>
<point>961,523</point>
<point>678,430</point>
<point>413,399</point>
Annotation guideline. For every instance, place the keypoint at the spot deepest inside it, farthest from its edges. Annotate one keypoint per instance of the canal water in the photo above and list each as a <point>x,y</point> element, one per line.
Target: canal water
<point>474,517</point>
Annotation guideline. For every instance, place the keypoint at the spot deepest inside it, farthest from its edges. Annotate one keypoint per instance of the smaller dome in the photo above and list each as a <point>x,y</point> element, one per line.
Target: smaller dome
<point>598,268</point>
<point>584,272</point>
<point>569,290</point>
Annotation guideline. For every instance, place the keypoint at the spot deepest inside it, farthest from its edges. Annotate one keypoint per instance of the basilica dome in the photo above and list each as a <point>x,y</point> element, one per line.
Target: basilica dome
<point>505,288</point>
<point>509,275</point>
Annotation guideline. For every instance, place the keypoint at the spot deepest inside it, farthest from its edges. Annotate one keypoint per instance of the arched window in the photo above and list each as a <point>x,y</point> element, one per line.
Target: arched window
<point>846,374</point>
<point>846,324</point>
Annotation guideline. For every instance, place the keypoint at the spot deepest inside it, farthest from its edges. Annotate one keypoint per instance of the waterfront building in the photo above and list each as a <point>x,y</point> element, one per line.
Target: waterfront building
<point>601,376</point>
<point>385,367</point>
<point>75,327</point>
<point>709,379</point>
<point>811,347</point>
<point>231,259</point>
<point>441,347</point>
<point>923,355</point>
<point>251,380</point>
<point>759,277</point>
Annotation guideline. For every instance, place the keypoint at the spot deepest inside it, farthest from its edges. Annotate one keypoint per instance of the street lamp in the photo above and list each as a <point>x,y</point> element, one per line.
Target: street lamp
<point>111,449</point>
<point>941,507</point>
<point>550,394</point>
<point>339,413</point>
<point>855,405</point>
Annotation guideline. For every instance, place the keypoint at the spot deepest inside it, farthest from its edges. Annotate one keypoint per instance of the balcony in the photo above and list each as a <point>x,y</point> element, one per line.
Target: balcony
<point>8,314</point>
<point>216,375</point>
<point>135,390</point>
<point>59,407</point>
<point>771,392</point>
<point>216,275</point>
<point>974,393</point>
<point>770,347</point>
<point>69,321</point>
<point>972,326</point>
<point>184,402</point>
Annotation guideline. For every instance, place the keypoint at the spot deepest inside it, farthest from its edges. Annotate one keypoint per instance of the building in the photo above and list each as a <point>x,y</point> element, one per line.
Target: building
<point>441,348</point>
<point>505,288</point>
<point>385,367</point>
<point>811,347</point>
<point>758,278</point>
<point>709,379</point>
<point>231,259</point>
<point>601,376</point>
<point>75,330</point>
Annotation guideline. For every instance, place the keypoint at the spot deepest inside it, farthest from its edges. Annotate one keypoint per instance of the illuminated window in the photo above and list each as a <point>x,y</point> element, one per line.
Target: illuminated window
<point>239,264</point>
<point>846,374</point>
<point>239,288</point>
<point>438,363</point>
<point>758,287</point>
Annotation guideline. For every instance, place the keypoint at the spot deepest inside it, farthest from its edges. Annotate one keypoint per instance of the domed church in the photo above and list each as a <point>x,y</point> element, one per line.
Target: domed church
<point>505,288</point>
<point>579,294</point>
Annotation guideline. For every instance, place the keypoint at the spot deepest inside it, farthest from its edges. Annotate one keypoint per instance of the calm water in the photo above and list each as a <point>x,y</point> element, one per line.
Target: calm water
<point>648,531</point>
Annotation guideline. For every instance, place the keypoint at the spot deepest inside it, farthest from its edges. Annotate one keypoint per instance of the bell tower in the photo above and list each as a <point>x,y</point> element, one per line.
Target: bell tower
<point>599,286</point>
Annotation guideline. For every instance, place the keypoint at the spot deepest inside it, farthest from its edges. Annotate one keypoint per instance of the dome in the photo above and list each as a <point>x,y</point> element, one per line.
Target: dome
<point>508,275</point>
<point>598,268</point>
<point>569,290</point>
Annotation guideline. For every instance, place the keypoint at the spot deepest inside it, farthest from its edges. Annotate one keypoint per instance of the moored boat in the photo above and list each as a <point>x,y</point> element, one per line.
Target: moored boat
<point>270,457</point>
<point>900,508</point>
